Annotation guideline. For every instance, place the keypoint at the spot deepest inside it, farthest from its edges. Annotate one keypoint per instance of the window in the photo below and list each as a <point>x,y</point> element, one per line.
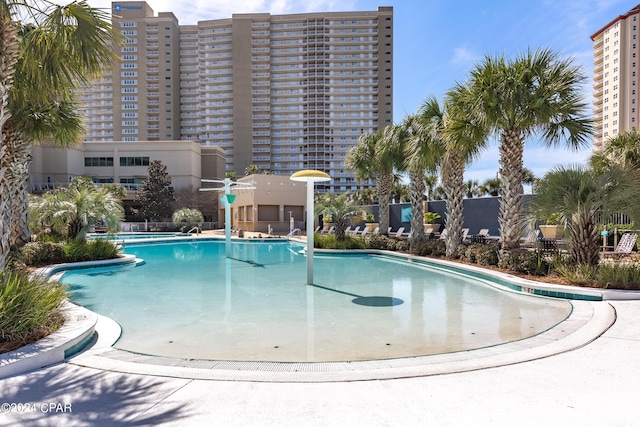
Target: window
<point>134,161</point>
<point>98,161</point>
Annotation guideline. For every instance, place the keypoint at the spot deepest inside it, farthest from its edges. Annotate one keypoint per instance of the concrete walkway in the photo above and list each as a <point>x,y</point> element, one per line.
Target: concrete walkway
<point>596,385</point>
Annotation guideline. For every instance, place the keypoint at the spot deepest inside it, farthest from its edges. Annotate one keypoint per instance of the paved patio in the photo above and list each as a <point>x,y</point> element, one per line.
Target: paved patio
<point>596,385</point>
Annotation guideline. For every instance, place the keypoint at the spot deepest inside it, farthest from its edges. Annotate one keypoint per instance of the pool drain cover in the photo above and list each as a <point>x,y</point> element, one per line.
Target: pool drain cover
<point>377,301</point>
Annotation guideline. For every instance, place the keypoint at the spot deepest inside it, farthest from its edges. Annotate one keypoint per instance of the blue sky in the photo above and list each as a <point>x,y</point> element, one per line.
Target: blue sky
<point>437,42</point>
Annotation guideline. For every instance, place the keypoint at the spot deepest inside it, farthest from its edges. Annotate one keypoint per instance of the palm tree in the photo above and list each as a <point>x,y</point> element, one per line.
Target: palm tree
<point>400,192</point>
<point>534,93</point>
<point>491,186</point>
<point>472,188</point>
<point>463,140</point>
<point>423,151</point>
<point>622,150</point>
<point>9,51</point>
<point>581,196</point>
<point>431,182</point>
<point>75,209</point>
<point>62,48</point>
<point>341,209</point>
<point>374,157</point>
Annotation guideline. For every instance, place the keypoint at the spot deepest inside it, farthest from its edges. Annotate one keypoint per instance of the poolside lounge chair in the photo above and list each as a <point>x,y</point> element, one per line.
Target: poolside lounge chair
<point>399,232</point>
<point>365,231</point>
<point>355,231</point>
<point>376,230</point>
<point>483,232</point>
<point>317,230</point>
<point>443,234</point>
<point>625,245</point>
<point>531,239</point>
<point>465,232</point>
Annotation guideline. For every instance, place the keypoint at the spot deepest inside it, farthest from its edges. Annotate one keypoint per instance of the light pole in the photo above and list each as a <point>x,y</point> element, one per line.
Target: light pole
<point>310,176</point>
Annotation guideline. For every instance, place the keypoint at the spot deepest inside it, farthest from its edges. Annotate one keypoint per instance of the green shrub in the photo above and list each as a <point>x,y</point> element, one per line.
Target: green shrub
<point>29,308</point>
<point>478,253</point>
<point>525,262</point>
<point>89,250</point>
<point>330,241</point>
<point>36,254</point>
<point>42,253</point>
<point>422,248</point>
<point>402,245</point>
<point>377,241</point>
<point>580,274</point>
<point>614,275</point>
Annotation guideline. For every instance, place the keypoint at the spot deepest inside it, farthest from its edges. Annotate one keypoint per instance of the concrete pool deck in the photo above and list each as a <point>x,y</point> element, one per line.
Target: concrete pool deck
<point>595,385</point>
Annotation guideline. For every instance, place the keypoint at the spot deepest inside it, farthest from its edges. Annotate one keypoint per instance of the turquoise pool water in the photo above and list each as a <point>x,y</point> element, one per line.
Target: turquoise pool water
<point>189,300</point>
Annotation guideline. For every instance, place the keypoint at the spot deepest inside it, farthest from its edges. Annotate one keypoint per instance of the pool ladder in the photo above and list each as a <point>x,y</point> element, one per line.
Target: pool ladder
<point>294,232</point>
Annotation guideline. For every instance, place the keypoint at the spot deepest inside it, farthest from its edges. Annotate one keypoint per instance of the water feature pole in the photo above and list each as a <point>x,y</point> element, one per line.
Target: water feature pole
<point>310,176</point>
<point>226,201</point>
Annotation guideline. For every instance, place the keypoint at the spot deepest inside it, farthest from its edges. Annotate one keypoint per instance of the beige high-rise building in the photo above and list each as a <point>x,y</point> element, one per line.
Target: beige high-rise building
<point>281,92</point>
<point>616,78</point>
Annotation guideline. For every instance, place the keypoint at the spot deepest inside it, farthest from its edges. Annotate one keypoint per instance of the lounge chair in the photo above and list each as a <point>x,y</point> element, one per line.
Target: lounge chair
<point>428,232</point>
<point>355,231</point>
<point>399,232</point>
<point>483,232</point>
<point>347,230</point>
<point>365,231</point>
<point>317,230</point>
<point>376,230</point>
<point>625,245</point>
<point>465,232</point>
<point>443,234</point>
<point>531,239</point>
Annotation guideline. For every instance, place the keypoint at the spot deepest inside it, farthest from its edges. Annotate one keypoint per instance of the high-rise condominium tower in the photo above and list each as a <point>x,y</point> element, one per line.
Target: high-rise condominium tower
<point>282,92</point>
<point>616,78</point>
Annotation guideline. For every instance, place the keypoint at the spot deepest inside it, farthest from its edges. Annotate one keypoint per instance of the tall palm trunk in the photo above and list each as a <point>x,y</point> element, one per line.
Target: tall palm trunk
<point>385,186</point>
<point>17,180</point>
<point>8,58</point>
<point>454,188</point>
<point>5,230</point>
<point>585,239</point>
<point>510,218</point>
<point>7,162</point>
<point>417,188</point>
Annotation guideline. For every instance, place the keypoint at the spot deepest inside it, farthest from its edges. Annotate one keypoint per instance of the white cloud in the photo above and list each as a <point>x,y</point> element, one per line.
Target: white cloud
<point>465,57</point>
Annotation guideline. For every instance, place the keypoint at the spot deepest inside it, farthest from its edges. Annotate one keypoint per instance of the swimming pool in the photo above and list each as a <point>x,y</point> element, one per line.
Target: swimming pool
<point>189,301</point>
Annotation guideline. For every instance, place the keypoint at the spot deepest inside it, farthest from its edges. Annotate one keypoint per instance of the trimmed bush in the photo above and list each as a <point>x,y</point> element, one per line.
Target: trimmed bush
<point>330,241</point>
<point>525,262</point>
<point>402,245</point>
<point>89,250</point>
<point>378,241</point>
<point>36,254</point>
<point>42,253</point>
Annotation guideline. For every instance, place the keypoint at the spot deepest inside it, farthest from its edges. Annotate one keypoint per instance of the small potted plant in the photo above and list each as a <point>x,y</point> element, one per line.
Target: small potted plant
<point>430,221</point>
<point>327,221</point>
<point>551,229</point>
<point>370,223</point>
